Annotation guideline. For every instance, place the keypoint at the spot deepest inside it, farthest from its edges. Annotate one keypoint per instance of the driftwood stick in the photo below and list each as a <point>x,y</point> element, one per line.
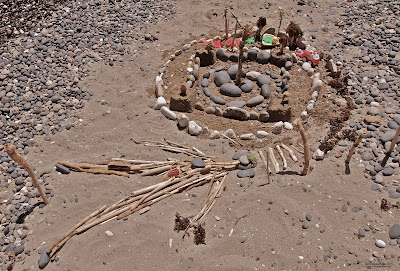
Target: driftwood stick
<point>156,170</point>
<point>230,139</point>
<point>306,148</point>
<point>283,157</point>
<point>135,161</point>
<point>291,153</point>
<point>394,140</point>
<point>57,245</point>
<point>273,159</point>
<point>355,144</point>
<point>265,162</point>
<point>22,162</point>
<point>93,170</point>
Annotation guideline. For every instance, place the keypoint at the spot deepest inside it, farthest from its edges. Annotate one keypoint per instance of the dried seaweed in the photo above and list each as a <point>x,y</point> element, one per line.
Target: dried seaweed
<point>199,235</point>
<point>181,223</point>
<point>386,206</point>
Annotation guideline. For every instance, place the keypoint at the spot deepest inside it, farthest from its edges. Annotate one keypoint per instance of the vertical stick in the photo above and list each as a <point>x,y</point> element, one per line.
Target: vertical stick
<point>226,24</point>
<point>394,140</point>
<point>22,162</point>
<point>353,148</point>
<point>233,38</point>
<point>306,148</point>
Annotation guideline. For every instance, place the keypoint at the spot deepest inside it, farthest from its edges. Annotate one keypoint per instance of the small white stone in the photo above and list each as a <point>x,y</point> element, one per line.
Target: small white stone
<point>186,47</point>
<point>376,104</point>
<point>287,125</point>
<point>310,107</point>
<point>230,133</point>
<point>214,135</point>
<point>318,155</point>
<point>194,128</point>
<point>262,134</point>
<point>379,243</point>
<point>183,120</point>
<point>109,234</point>
<point>306,66</point>
<point>168,113</point>
<point>249,136</point>
<point>159,80</point>
<point>189,84</point>
<point>331,66</point>
<point>160,103</point>
<point>304,115</point>
<point>193,42</point>
<point>314,95</point>
<point>197,60</point>
<point>277,128</point>
<point>252,75</point>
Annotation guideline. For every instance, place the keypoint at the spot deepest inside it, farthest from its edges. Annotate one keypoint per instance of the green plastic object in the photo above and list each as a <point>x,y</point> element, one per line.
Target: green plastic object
<point>267,40</point>
<point>250,40</point>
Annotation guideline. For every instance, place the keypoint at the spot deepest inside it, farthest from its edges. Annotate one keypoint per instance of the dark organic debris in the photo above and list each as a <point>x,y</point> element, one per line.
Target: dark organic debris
<point>199,235</point>
<point>181,223</point>
<point>386,206</point>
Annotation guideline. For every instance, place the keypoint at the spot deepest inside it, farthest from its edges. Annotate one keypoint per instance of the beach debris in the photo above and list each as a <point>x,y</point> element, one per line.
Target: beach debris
<point>23,163</point>
<point>353,148</point>
<point>275,163</point>
<point>306,147</point>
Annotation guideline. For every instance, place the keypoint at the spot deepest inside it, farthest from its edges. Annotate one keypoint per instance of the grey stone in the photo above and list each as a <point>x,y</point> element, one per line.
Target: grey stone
<point>205,82</point>
<point>198,162</point>
<point>217,100</point>
<point>308,217</point>
<point>263,57</point>
<point>238,154</point>
<point>62,169</point>
<point>244,160</point>
<point>264,116</point>
<point>265,91</point>
<point>230,90</point>
<point>233,70</point>
<point>394,231</point>
<point>263,79</point>
<point>388,171</point>
<point>221,54</point>
<point>238,104</point>
<point>19,249</point>
<point>207,92</point>
<point>43,260</point>
<point>344,208</point>
<point>252,55</point>
<point>246,86</point>
<point>388,136</point>
<point>255,101</point>
<point>361,232</point>
<point>234,57</point>
<point>221,77</point>
<point>246,173</point>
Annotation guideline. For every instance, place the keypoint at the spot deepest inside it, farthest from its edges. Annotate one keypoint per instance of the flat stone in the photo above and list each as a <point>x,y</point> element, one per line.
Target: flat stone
<point>221,54</point>
<point>244,160</point>
<point>62,169</point>
<point>230,90</point>
<point>249,136</point>
<point>198,162</point>
<point>210,110</point>
<point>255,101</point>
<point>207,92</point>
<point>246,86</point>
<point>233,70</point>
<point>372,119</point>
<point>388,171</point>
<point>236,113</point>
<point>394,231</point>
<point>221,77</point>
<point>265,91</point>
<point>373,111</point>
<point>252,75</point>
<point>263,79</point>
<point>230,133</point>
<point>205,82</point>
<point>263,57</point>
<point>238,154</point>
<point>238,104</point>
<point>217,100</point>
<point>262,134</point>
<point>246,173</point>
<point>43,260</point>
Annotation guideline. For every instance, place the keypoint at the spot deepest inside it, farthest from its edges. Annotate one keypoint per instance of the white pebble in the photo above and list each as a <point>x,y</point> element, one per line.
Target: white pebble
<point>249,136</point>
<point>287,125</point>
<point>194,128</point>
<point>160,103</point>
<point>230,133</point>
<point>214,135</point>
<point>304,115</point>
<point>262,134</point>
<point>277,128</point>
<point>109,234</point>
<point>183,120</point>
<point>168,113</point>
<point>380,243</point>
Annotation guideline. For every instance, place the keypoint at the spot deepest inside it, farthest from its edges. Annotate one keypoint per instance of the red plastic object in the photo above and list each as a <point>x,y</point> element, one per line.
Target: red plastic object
<point>228,43</point>
<point>216,43</point>
<point>309,55</point>
<point>174,172</point>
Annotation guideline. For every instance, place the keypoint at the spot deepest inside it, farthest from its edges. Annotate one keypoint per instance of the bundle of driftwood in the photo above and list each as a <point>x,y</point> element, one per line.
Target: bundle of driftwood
<point>177,176</point>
